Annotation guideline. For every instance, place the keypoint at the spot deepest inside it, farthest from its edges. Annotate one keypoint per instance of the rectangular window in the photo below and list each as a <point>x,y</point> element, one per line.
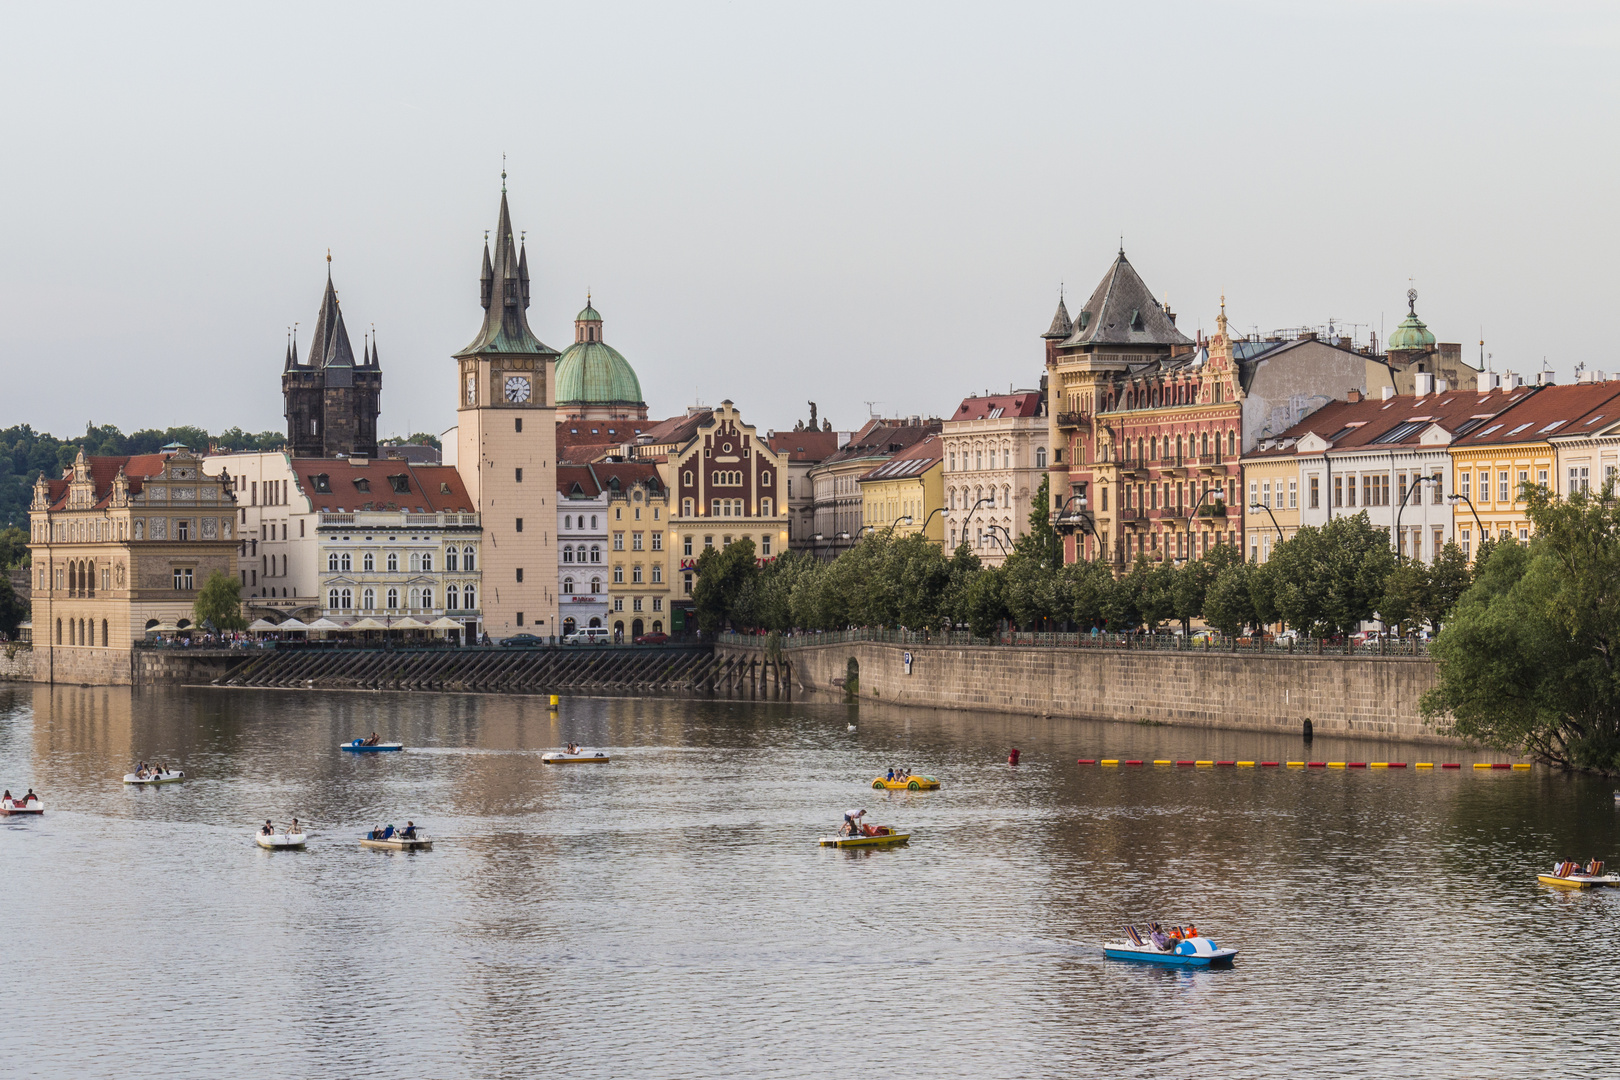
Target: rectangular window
<point>1316,493</point>
<point>618,575</point>
<point>1338,491</point>
<point>1437,482</point>
<point>714,507</point>
<point>520,574</point>
<point>1265,494</point>
<point>517,425</point>
<point>1502,488</point>
<point>1465,487</point>
<point>618,541</point>
<point>1467,537</point>
<point>519,475</point>
<point>1254,492</point>
<point>658,541</point>
<point>635,542</point>
<point>1439,541</point>
<point>635,603</point>
<point>520,614</point>
<point>765,544</point>
<point>686,546</point>
<point>1293,494</point>
<point>687,583</point>
<point>1484,487</point>
<point>658,603</point>
<point>1524,478</point>
<point>618,603</point>
<point>1402,491</point>
<point>1541,478</point>
<point>519,525</point>
<point>708,541</point>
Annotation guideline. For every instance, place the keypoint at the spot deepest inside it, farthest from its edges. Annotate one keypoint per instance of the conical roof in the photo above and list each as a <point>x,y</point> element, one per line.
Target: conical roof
<point>331,347</point>
<point>1123,312</point>
<point>1062,325</point>
<point>505,297</point>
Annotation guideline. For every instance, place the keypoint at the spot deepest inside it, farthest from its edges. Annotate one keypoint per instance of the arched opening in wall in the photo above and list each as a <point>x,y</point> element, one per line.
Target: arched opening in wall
<point>637,628</point>
<point>852,677</point>
<point>568,626</point>
<point>105,640</point>
<point>595,624</point>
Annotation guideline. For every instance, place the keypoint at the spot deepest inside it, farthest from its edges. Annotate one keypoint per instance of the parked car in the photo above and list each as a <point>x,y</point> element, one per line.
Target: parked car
<point>591,635</point>
<point>523,641</point>
<point>1201,636</point>
<point>657,638</point>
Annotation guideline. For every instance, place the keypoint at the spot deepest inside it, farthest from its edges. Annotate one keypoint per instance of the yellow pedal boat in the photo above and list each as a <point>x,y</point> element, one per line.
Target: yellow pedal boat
<point>910,783</point>
<point>1578,881</point>
<point>865,841</point>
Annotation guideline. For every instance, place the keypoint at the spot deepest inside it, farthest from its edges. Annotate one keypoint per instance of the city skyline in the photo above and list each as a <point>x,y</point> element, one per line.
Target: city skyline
<point>874,206</point>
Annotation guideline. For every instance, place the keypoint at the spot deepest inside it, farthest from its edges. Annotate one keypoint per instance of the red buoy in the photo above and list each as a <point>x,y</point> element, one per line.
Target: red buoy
<point>1012,758</point>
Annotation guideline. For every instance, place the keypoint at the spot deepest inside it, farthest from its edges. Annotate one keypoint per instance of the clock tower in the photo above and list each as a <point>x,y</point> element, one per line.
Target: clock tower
<point>506,444</point>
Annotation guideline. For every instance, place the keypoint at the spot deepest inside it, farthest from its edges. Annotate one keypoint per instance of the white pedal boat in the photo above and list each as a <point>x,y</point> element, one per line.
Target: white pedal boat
<point>279,840</point>
<point>22,806</point>
<point>166,777</point>
<point>358,746</point>
<point>398,843</point>
<point>584,757</point>
<point>1188,952</point>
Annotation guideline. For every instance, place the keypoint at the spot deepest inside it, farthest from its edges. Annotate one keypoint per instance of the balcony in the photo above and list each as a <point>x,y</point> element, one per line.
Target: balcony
<point>1073,419</point>
<point>1132,516</point>
<point>1212,510</point>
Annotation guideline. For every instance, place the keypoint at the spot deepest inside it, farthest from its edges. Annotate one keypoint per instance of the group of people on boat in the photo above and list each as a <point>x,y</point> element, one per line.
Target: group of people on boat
<point>901,775</point>
<point>151,772</point>
<point>270,830</point>
<point>572,748</point>
<point>373,740</point>
<point>1165,939</point>
<point>854,826</point>
<point>1570,868</point>
<point>24,801</point>
<point>387,832</point>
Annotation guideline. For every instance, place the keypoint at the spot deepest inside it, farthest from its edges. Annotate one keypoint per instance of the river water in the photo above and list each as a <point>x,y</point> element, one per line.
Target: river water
<point>669,915</point>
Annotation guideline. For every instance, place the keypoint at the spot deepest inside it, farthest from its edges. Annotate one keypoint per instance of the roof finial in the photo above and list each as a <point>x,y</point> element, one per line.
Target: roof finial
<point>328,256</point>
<point>1411,299</point>
<point>503,172</point>
<point>1122,245</point>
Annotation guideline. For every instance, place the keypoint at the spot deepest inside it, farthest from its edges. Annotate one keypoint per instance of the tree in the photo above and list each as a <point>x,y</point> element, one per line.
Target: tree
<point>722,575</point>
<point>1330,579</point>
<point>1229,603</point>
<point>1530,659</point>
<point>219,603</point>
<point>1449,579</point>
<point>1190,586</point>
<point>1041,544</point>
<point>13,548</point>
<point>986,602</point>
<point>1406,595</point>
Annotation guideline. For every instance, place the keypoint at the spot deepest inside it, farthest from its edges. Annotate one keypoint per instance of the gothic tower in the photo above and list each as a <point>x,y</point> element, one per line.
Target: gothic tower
<point>506,444</point>
<point>330,401</point>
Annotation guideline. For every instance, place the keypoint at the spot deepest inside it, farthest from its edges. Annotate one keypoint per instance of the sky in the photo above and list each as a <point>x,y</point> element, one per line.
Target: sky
<point>871,206</point>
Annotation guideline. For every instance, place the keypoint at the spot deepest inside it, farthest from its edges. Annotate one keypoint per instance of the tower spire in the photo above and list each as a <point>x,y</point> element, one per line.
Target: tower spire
<point>504,288</point>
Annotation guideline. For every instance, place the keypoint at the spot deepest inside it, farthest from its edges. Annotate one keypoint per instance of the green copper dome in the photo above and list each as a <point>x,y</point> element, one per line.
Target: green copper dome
<point>588,315</point>
<point>591,372</point>
<point>1412,334</point>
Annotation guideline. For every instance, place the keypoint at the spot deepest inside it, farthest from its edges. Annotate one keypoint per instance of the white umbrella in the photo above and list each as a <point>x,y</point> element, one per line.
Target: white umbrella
<point>368,623</point>
<point>444,623</point>
<point>262,626</point>
<point>293,624</point>
<point>408,623</point>
<point>323,624</point>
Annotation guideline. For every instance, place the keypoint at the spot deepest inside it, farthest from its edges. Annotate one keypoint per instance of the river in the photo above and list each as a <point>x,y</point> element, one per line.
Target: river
<point>669,914</point>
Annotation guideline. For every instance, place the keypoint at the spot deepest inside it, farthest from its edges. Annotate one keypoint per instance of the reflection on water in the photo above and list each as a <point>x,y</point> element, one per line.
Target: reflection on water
<point>670,915</point>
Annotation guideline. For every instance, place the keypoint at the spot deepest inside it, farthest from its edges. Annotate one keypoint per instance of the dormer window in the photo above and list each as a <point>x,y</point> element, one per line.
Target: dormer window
<point>363,484</point>
<point>444,487</point>
<point>401,483</point>
<point>1136,320</point>
<point>1085,319</point>
<point>322,483</point>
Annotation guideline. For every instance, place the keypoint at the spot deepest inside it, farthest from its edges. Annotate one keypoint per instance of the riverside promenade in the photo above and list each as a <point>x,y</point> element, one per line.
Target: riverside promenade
<point>1362,691</point>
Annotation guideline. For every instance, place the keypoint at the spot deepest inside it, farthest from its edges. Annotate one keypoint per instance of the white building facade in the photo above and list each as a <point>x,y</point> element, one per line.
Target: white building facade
<point>582,529</point>
<point>996,455</point>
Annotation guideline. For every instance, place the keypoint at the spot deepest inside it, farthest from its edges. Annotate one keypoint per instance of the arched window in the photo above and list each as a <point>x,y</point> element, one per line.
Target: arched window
<point>393,599</point>
<point>427,562</point>
<point>568,521</point>
<point>368,562</point>
<point>416,562</point>
<point>1040,457</point>
<point>568,586</point>
<point>368,599</point>
<point>468,597</point>
<point>347,562</point>
<point>593,521</point>
<point>1231,443</point>
<point>331,599</point>
<point>348,599</point>
<point>1006,496</point>
<point>416,599</point>
<point>332,561</point>
<point>596,553</point>
<point>568,553</point>
<point>393,560</point>
<point>452,599</point>
<point>450,559</point>
<point>59,631</point>
<point>467,558</point>
<point>105,639</point>
<point>1205,452</point>
<point>596,584</point>
<point>427,598</point>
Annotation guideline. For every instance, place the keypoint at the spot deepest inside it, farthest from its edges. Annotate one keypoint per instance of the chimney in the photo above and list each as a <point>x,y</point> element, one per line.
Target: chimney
<point>1441,386</point>
<point>1544,378</point>
<point>1352,396</point>
<point>1425,384</point>
<point>1515,380</point>
<point>1389,392</point>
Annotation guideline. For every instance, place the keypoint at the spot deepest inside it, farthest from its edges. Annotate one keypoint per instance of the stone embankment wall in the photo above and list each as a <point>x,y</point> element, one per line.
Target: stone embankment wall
<point>155,667</point>
<point>1360,696</point>
<point>16,664</point>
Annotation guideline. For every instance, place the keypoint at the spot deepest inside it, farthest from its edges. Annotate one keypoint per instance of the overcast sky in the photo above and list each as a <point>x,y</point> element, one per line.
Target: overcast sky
<point>848,203</point>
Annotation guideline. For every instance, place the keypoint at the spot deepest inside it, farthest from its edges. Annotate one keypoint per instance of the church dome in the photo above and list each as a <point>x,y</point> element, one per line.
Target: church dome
<point>591,372</point>
<point>1412,334</point>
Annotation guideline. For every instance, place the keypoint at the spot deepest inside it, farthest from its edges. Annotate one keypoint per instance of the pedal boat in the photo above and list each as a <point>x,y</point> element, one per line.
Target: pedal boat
<point>1579,881</point>
<point>18,806</point>
<point>359,746</point>
<point>397,843</point>
<point>170,777</point>
<point>881,840</point>
<point>1189,952</point>
<point>279,840</point>
<point>557,757</point>
<point>910,783</point>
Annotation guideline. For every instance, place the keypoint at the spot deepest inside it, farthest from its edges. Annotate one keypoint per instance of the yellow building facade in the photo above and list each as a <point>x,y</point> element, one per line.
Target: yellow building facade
<point>639,546</point>
<point>1271,501</point>
<point>906,494</point>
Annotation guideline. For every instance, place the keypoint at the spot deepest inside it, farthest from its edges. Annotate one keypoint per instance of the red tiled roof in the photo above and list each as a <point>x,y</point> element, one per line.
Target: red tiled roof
<point>104,470</point>
<point>1022,403</point>
<point>805,445</point>
<point>570,475</point>
<point>1397,421</point>
<point>910,462</point>
<point>429,487</point>
<point>1549,411</point>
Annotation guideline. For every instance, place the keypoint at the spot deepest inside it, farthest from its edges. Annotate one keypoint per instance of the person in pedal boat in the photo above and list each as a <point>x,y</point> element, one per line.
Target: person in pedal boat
<point>268,830</point>
<point>852,822</point>
<point>30,797</point>
<point>375,738</point>
<point>294,828</point>
<point>388,833</point>
<point>409,832</point>
<point>890,777</point>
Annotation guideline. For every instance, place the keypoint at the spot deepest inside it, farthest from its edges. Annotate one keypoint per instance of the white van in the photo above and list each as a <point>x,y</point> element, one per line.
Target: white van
<point>594,635</point>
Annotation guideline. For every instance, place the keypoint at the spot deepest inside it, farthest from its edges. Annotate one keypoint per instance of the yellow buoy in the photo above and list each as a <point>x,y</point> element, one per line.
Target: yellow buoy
<point>555,700</point>
<point>1519,767</point>
<point>1296,764</point>
<point>1482,764</point>
<point>1109,761</point>
<point>1335,764</point>
<point>1160,761</point>
<point>1245,764</point>
<point>1377,764</point>
<point>1204,764</point>
<point>1425,765</point>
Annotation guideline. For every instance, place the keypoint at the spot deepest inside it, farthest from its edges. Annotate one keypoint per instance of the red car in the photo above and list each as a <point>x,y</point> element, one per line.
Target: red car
<point>651,639</point>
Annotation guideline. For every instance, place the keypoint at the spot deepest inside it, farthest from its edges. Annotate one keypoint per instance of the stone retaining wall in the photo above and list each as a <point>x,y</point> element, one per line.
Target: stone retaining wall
<point>1359,696</point>
<point>18,667</point>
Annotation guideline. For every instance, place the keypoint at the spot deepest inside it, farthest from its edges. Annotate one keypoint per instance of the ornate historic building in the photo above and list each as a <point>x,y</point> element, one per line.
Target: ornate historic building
<point>331,402</point>
<point>594,381</point>
<point>120,546</point>
<point>995,457</point>
<point>506,445</point>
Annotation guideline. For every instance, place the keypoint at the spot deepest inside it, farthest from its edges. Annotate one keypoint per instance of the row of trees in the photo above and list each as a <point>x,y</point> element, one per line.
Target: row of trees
<point>1323,581</point>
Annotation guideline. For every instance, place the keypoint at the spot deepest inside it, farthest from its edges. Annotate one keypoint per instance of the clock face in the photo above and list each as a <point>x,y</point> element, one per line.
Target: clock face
<point>472,389</point>
<point>517,389</point>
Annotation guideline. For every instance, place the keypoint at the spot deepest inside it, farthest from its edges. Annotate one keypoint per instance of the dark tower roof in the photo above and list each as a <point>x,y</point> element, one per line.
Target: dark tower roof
<point>1062,326</point>
<point>504,292</point>
<point>331,346</point>
<point>1123,312</point>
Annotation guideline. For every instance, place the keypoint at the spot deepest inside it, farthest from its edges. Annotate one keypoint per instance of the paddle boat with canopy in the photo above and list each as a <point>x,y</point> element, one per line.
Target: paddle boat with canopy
<point>27,804</point>
<point>1572,875</point>
<point>1176,947</point>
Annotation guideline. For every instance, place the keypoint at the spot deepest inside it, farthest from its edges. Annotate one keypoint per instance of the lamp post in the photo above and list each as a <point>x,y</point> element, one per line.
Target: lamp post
<point>969,519</point>
<point>930,517</point>
<point>1080,521</point>
<point>1400,545</point>
<point>1478,523</point>
<point>890,527</point>
<point>1005,547</point>
<point>1273,517</point>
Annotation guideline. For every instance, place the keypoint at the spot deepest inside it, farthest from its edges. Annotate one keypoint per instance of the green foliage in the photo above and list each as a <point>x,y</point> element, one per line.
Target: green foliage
<point>418,438</point>
<point>219,603</point>
<point>1529,658</point>
<point>25,453</point>
<point>13,548</point>
<point>1040,544</point>
<point>724,575</point>
<point>12,609</point>
<point>1328,579</point>
<point>1229,603</point>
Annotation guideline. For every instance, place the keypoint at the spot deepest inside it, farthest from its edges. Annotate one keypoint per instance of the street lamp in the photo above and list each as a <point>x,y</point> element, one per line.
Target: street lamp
<point>1400,552</point>
<point>1480,524</point>
<point>890,527</point>
<point>969,520</point>
<point>1005,548</point>
<point>1081,521</point>
<point>1273,517</point>
<point>930,517</point>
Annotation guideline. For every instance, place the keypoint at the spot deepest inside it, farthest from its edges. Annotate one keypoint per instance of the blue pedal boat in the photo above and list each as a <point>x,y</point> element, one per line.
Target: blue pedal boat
<point>1188,952</point>
<point>359,746</point>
